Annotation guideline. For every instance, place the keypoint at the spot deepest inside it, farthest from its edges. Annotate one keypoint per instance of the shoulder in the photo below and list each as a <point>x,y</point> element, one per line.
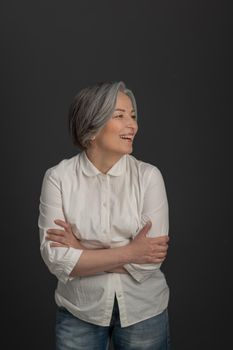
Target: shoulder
<point>65,168</point>
<point>144,169</point>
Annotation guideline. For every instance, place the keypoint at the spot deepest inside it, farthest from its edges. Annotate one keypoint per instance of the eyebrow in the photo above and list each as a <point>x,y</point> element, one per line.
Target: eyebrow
<point>123,110</point>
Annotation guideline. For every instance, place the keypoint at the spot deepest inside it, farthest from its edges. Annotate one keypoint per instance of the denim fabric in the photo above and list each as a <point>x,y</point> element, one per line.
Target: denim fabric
<point>73,333</point>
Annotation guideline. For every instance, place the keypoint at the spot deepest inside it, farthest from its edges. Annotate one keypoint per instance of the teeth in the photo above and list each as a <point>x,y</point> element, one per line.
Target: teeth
<point>125,137</point>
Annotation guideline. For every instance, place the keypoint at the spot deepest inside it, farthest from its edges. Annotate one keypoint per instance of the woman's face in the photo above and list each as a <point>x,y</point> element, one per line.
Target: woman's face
<point>118,133</point>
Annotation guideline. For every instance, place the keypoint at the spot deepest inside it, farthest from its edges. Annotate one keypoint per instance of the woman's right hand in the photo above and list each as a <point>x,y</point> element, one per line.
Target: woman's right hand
<point>63,237</point>
<point>147,250</point>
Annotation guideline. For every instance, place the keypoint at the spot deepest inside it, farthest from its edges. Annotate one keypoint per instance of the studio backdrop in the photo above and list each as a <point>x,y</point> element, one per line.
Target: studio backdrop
<point>174,56</point>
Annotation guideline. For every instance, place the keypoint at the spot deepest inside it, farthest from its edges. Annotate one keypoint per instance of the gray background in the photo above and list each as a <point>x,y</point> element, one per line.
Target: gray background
<point>175,56</point>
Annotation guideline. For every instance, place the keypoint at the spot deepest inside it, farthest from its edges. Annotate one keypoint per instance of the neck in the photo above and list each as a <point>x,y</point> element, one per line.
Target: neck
<point>103,161</point>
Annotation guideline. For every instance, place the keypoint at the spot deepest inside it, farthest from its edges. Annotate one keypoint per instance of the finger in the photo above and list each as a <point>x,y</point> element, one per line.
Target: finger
<point>160,239</point>
<point>55,238</point>
<point>55,232</point>
<point>57,245</point>
<point>62,223</point>
<point>163,238</point>
<point>157,260</point>
<point>162,255</point>
<point>164,244</point>
<point>160,259</point>
<point>160,249</point>
<point>146,228</point>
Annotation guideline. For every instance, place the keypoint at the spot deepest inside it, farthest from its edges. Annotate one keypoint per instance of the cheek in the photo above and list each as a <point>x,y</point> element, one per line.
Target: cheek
<point>109,136</point>
<point>113,130</point>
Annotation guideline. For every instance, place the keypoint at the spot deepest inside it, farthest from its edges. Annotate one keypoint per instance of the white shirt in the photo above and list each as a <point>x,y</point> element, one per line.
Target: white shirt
<point>105,210</point>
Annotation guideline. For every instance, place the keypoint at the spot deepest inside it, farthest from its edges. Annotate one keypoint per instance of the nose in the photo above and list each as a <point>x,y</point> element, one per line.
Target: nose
<point>131,124</point>
<point>130,120</point>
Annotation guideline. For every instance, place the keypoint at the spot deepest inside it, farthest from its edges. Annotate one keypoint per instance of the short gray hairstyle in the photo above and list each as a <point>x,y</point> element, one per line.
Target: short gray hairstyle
<point>92,107</point>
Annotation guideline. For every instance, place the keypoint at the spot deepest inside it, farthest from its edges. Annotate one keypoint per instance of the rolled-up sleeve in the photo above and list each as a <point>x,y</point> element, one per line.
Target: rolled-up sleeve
<point>59,260</point>
<point>155,209</point>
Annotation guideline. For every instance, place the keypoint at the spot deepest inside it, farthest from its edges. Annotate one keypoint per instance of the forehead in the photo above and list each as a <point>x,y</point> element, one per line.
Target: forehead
<point>123,101</point>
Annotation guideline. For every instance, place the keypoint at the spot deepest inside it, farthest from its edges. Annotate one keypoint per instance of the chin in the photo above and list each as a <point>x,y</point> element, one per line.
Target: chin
<point>128,151</point>
<point>122,150</point>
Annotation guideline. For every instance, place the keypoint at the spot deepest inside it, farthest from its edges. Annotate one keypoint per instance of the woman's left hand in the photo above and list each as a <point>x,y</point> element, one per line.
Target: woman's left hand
<point>63,238</point>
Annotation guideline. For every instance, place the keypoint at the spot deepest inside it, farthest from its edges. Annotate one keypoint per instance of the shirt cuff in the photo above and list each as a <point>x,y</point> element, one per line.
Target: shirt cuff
<point>69,264</point>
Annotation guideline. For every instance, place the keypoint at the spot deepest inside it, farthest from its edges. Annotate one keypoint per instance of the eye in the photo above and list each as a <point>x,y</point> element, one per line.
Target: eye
<point>118,116</point>
<point>134,116</point>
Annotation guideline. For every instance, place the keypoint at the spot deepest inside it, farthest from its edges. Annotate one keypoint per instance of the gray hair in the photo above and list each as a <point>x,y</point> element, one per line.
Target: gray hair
<point>92,107</point>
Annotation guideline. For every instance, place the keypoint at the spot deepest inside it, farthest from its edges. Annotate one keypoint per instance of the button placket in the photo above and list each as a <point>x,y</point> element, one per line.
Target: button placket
<point>104,204</point>
<point>120,299</point>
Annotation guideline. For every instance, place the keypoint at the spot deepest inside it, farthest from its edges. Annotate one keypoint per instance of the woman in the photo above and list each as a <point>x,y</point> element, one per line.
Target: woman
<point>104,230</point>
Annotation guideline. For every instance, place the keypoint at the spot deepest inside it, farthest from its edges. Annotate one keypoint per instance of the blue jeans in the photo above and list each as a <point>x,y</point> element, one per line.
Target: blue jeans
<point>73,333</point>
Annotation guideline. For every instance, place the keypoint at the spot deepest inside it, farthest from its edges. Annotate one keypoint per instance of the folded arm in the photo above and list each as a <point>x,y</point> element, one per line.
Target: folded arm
<point>67,261</point>
<point>155,209</point>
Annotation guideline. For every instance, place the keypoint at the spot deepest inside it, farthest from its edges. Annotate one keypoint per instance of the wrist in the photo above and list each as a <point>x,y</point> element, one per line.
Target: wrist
<point>127,254</point>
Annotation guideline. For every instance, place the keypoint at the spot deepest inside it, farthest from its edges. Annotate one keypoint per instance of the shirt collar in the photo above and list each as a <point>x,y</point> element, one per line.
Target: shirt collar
<point>90,170</point>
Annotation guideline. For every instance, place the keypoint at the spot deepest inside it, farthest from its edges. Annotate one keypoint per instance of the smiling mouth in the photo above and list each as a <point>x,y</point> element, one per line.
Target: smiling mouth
<point>128,138</point>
